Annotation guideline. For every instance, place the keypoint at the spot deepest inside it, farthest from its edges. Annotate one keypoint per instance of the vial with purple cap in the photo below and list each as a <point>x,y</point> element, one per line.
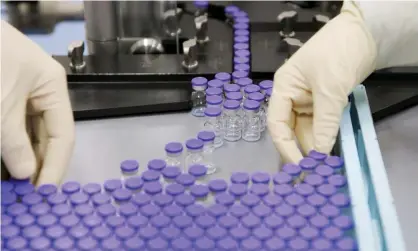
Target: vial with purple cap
<point>208,138</point>
<point>241,60</point>
<point>230,10</point>
<point>241,46</point>
<point>129,168</point>
<point>224,77</point>
<point>240,73</point>
<point>260,97</point>
<point>243,83</point>
<point>251,88</point>
<point>173,152</point>
<point>194,152</point>
<point>198,98</point>
<point>201,7</point>
<point>265,85</point>
<point>214,122</point>
<point>232,121</point>
<point>242,53</point>
<point>214,101</point>
<point>268,95</point>
<point>251,121</point>
<point>170,173</point>
<point>213,91</point>
<point>336,163</point>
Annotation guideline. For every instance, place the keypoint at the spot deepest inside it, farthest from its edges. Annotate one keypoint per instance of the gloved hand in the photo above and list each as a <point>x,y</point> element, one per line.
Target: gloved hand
<point>311,89</point>
<point>34,95</point>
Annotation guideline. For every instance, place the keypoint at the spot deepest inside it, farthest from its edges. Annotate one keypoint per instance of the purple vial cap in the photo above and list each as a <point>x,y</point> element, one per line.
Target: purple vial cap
<point>228,221</point>
<point>298,244</point>
<point>238,210</point>
<point>217,210</point>
<point>157,164</point>
<point>128,209</point>
<point>285,233</point>
<point>324,170</point>
<point>115,221</point>
<point>217,232</point>
<point>40,243</point>
<point>304,189</point>
<point>170,233</point>
<point>67,221</point>
<point>204,244</point>
<point>92,221</point>
<point>78,198</point>
<point>106,210</point>
<point>174,189</point>
<point>18,182</point>
<point>83,210</point>
<point>148,232</point>
<point>163,200</point>
<point>296,221</point>
<point>111,243</point>
<point>16,209</point>
<point>9,232</point>
<point>137,221</point>
<point>241,26</point>
<point>250,200</point>
<point>54,231</point>
<point>231,9</point>
<point>260,189</point>
<point>192,233</point>
<point>242,53</point>
<point>205,221</point>
<point>262,233</point>
<point>262,211</point>
<point>347,244</point>
<point>314,179</point>
<point>171,172</point>
<point>57,198</point>
<point>292,169</point>
<point>244,82</point>
<point>197,170</point>
<point>25,220</point>
<point>326,190</point>
<point>213,91</point>
<point>283,189</point>
<point>199,81</point>
<point>239,233</point>
<point>250,88</point>
<point>227,244</point>
<point>60,210</point>
<point>225,199</point>
<point>266,84</point>
<point>63,243</point>
<point>268,92</point>
<point>242,19</point>
<point>195,210</point>
<point>87,243</point>
<point>251,244</point>
<point>260,177</point>
<point>8,198</point>
<point>214,100</point>
<point>112,184</point>
<point>153,187</point>
<point>33,231</point>
<point>343,222</point>
<point>70,187</point>
<point>149,210</point>
<point>157,244</point>
<point>316,200</point>
<point>201,4</point>
<point>92,189</point>
<point>332,233</point>
<point>234,96</point>
<point>337,180</point>
<point>151,175</point>
<point>185,179</point>
<point>274,244</point>
<point>23,189</point>
<point>242,46</point>
<point>78,232</point>
<point>237,189</point>
<point>218,185</point>
<point>223,76</point>
<point>199,191</point>
<point>322,244</point>
<point>273,221</point>
<point>250,221</point>
<point>241,60</point>
<point>184,200</point>
<point>319,221</point>
<point>16,243</point>
<point>309,233</point>
<point>272,200</point>
<point>334,162</point>
<point>308,164</point>
<point>306,210</point>
<point>284,210</point>
<point>134,183</point>
<point>194,144</point>
<point>257,96</point>
<point>124,232</point>
<point>134,243</point>
<point>129,166</point>
<point>47,189</point>
<point>317,155</point>
<point>101,232</point>
<point>7,186</point>
<point>231,88</point>
<point>240,178</point>
<point>6,220</point>
<point>181,244</point>
<point>241,39</point>
<point>329,211</point>
<point>241,71</point>
<point>122,194</point>
<point>100,198</point>
<point>205,136</point>
<point>174,147</point>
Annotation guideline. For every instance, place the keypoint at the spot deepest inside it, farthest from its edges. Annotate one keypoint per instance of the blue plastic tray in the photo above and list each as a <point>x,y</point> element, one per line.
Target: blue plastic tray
<point>377,225</point>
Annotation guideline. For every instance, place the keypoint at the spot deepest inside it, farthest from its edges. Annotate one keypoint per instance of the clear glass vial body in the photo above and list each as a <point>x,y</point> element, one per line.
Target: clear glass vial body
<point>232,125</point>
<point>173,159</point>
<point>216,124</point>
<point>198,100</point>
<point>208,148</point>
<point>194,156</point>
<point>251,126</point>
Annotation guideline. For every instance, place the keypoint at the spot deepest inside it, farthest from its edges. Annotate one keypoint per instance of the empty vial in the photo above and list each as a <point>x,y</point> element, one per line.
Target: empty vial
<point>212,91</point>
<point>324,170</point>
<point>134,184</point>
<point>251,121</point>
<point>259,97</point>
<point>218,185</point>
<point>237,75</point>
<point>214,122</point>
<point>243,83</point>
<point>232,121</point>
<point>214,101</point>
<point>170,173</point>
<point>208,137</point>
<point>194,152</point>
<point>198,97</point>
<point>198,171</point>
<point>337,163</point>
<point>308,165</point>
<point>173,154</point>
<point>251,88</point>
<point>240,178</point>
<point>112,184</point>
<point>225,77</point>
<point>129,168</point>
<point>196,210</point>
<point>265,85</point>
<point>217,210</point>
<point>92,188</point>
<point>234,96</point>
<point>282,178</point>
<point>157,165</point>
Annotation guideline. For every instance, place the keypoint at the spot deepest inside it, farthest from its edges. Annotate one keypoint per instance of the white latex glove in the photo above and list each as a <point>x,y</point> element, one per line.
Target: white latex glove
<point>33,95</point>
<point>311,88</point>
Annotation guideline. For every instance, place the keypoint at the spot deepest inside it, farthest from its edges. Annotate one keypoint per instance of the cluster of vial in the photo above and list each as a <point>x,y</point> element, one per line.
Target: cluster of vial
<point>302,207</point>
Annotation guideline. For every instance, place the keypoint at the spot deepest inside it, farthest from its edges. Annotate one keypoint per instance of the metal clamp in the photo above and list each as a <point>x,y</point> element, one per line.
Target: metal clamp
<point>287,21</point>
<point>76,53</point>
<point>292,46</point>
<point>190,55</point>
<point>201,24</point>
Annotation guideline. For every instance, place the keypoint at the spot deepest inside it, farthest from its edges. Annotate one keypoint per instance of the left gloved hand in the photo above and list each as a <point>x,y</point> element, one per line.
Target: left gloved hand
<point>34,95</point>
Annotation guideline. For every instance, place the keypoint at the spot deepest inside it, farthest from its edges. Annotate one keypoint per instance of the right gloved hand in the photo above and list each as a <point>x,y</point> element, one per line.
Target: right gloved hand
<point>311,89</point>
